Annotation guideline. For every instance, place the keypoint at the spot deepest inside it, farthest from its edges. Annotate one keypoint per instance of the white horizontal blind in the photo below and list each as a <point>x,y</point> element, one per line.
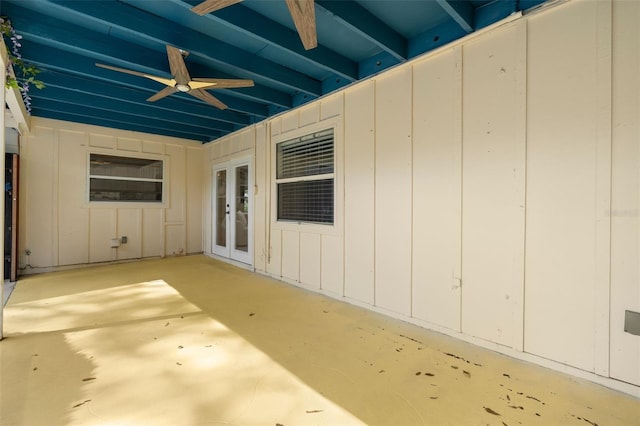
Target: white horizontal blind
<point>305,178</point>
<point>306,156</point>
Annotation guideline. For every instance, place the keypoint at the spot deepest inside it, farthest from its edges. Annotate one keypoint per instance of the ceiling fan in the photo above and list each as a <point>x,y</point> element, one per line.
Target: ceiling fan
<point>302,11</point>
<point>182,81</point>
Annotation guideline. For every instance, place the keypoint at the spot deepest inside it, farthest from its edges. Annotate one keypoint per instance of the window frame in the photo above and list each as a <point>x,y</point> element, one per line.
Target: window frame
<point>132,203</point>
<point>321,228</point>
<point>302,177</point>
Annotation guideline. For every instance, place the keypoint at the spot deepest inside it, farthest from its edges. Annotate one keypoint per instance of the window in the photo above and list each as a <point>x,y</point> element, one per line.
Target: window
<point>125,179</point>
<point>304,178</point>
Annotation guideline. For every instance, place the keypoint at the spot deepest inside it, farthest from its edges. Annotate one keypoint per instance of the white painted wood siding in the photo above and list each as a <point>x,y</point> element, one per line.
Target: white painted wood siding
<point>59,227</point>
<point>625,185</point>
<point>476,187</point>
<point>73,229</point>
<point>359,201</point>
<point>493,179</point>
<point>564,206</point>
<point>437,186</point>
<point>393,200</point>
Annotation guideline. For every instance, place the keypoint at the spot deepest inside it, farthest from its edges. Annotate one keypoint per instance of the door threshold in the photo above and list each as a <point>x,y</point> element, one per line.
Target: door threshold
<point>239,264</point>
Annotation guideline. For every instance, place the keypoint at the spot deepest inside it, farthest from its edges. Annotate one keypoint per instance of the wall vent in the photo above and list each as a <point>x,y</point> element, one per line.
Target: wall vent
<point>632,322</point>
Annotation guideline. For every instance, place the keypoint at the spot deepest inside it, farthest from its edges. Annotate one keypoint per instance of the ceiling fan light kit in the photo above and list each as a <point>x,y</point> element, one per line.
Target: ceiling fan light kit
<point>183,88</point>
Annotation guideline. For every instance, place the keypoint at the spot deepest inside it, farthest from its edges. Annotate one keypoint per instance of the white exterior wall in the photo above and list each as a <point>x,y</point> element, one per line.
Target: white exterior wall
<point>568,175</point>
<point>625,190</point>
<point>489,190</point>
<point>493,184</point>
<point>59,227</point>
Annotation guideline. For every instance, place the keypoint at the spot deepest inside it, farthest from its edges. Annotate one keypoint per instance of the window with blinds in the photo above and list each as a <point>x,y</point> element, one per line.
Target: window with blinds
<point>304,178</point>
<point>127,179</point>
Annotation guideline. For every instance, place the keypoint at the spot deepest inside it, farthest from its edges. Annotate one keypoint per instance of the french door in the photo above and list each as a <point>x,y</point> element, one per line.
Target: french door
<point>232,211</point>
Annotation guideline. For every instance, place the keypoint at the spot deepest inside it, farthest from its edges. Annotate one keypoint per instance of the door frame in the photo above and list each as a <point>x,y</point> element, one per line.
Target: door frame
<point>229,252</point>
<point>14,216</point>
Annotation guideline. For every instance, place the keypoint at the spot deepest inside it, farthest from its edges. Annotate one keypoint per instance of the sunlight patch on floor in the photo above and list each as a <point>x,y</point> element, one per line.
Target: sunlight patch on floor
<point>152,358</point>
<point>97,308</point>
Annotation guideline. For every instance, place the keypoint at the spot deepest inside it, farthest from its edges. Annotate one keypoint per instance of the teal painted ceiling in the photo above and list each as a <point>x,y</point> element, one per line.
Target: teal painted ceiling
<point>254,39</point>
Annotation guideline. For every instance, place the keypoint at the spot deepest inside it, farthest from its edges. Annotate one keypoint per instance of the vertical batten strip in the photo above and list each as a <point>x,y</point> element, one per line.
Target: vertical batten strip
<point>521,135</point>
<point>343,200</point>
<point>458,140</point>
<point>412,71</point>
<point>55,199</point>
<point>375,185</point>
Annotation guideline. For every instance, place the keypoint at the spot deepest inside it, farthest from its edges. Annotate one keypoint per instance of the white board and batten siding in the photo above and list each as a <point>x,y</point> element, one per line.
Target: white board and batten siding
<point>437,189</point>
<point>493,185</point>
<point>359,189</point>
<point>625,190</point>
<point>568,186</point>
<point>260,197</point>
<point>309,255</point>
<point>59,227</point>
<point>393,201</point>
<point>490,191</point>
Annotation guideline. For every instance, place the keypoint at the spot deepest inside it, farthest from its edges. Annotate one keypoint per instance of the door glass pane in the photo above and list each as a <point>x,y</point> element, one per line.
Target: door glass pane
<point>221,208</point>
<point>242,207</point>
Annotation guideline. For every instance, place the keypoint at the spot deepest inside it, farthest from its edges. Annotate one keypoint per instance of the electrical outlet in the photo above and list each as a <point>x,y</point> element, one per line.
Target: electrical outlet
<point>123,240</point>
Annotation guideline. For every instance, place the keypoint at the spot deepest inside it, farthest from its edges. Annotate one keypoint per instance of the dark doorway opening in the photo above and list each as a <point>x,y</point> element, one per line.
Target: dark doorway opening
<point>11,217</point>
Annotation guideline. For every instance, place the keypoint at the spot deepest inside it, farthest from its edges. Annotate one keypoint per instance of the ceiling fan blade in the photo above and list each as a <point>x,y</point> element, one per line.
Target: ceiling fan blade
<point>207,97</point>
<point>165,81</point>
<point>178,67</point>
<point>219,83</point>
<point>303,13</point>
<point>162,94</point>
<point>212,5</point>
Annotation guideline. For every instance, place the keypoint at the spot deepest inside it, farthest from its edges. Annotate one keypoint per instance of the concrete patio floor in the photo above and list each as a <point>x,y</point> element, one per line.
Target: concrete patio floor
<point>194,341</point>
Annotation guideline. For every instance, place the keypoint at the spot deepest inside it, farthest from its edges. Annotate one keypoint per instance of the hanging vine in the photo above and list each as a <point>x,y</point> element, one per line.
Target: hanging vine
<point>27,73</point>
